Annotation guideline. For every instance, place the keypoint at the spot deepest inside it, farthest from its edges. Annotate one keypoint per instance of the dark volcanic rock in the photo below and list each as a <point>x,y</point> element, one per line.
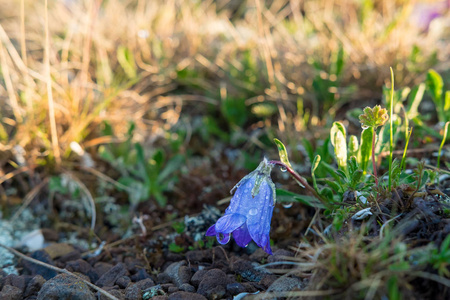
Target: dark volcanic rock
<point>186,296</point>
<point>133,292</point>
<point>198,276</point>
<point>285,284</point>
<point>65,287</point>
<point>211,280</point>
<point>178,273</point>
<point>123,282</point>
<point>35,269</point>
<point>14,280</point>
<point>10,292</point>
<point>235,288</point>
<point>246,269</point>
<point>34,286</point>
<point>110,277</point>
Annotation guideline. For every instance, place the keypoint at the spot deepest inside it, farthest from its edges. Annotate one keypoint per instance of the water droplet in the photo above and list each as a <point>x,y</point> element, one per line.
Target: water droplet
<point>246,246</point>
<point>253,211</point>
<point>287,204</point>
<point>283,169</point>
<point>364,127</point>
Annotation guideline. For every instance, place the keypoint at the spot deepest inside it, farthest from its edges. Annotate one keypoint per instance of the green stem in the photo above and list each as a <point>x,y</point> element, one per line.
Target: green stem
<point>374,165</point>
<point>299,178</point>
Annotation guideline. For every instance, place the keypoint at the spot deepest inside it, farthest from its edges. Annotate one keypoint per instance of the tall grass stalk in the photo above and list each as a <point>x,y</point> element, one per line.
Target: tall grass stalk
<point>391,131</point>
<point>51,105</point>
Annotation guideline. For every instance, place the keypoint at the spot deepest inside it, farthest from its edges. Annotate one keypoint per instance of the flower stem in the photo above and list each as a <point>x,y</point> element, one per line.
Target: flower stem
<point>299,178</point>
<point>374,165</point>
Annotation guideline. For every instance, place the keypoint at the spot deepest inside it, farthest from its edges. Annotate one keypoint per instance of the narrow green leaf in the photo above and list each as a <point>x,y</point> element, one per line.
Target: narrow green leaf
<point>314,166</point>
<point>365,151</point>
<point>415,97</point>
<point>282,153</point>
<point>447,101</point>
<point>126,61</point>
<point>287,196</point>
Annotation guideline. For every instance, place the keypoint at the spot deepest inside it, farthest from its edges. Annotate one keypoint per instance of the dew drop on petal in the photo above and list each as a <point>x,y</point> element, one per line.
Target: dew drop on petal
<point>253,211</point>
<point>364,127</point>
<point>287,204</point>
<point>283,169</point>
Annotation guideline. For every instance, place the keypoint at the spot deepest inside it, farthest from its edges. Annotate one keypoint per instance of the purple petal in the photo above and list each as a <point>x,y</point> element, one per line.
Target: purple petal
<point>229,223</point>
<point>242,236</point>
<point>225,238</point>
<point>258,221</point>
<point>241,196</point>
<point>211,231</point>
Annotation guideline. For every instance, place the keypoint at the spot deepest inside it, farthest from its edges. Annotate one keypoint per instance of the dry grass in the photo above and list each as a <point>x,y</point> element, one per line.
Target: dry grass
<point>264,52</point>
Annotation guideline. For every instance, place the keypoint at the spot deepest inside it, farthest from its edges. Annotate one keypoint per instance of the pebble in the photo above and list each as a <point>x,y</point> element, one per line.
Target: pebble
<point>65,287</point>
<point>123,282</point>
<point>284,284</point>
<point>10,292</point>
<point>235,288</point>
<point>110,277</point>
<point>280,256</point>
<point>186,296</point>
<point>197,277</point>
<point>133,292</point>
<point>34,286</point>
<point>35,269</point>
<point>211,280</point>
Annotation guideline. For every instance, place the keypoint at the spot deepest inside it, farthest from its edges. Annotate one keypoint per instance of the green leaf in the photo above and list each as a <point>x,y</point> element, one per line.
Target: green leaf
<point>447,101</point>
<point>353,146</point>
<point>338,140</point>
<point>373,117</point>
<point>435,85</point>
<point>172,165</point>
<point>126,60</point>
<point>287,196</point>
<point>334,186</point>
<point>365,151</point>
<point>415,97</point>
<point>314,166</point>
<point>282,153</point>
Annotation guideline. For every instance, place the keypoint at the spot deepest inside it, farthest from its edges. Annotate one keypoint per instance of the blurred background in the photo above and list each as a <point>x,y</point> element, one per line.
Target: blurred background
<point>116,107</point>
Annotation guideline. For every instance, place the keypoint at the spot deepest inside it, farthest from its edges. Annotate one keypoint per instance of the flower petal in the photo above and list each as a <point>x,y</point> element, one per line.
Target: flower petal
<point>211,231</point>
<point>242,236</point>
<point>229,223</point>
<point>258,221</point>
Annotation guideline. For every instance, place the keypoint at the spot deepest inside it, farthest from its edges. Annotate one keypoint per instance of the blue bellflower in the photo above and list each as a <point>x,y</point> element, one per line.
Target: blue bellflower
<point>250,212</point>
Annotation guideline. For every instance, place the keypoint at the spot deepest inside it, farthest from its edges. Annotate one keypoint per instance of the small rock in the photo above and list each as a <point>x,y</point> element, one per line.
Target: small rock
<point>35,269</point>
<point>280,256</point>
<point>218,292</point>
<point>163,278</point>
<point>247,271</point>
<point>123,282</point>
<point>79,265</point>
<point>133,292</point>
<point>187,288</point>
<point>110,277</point>
<point>285,284</point>
<point>249,287</point>
<point>212,279</point>
<point>267,280</point>
<point>196,256</point>
<point>141,274</point>
<point>116,293</point>
<point>145,284</point>
<point>172,289</point>
<point>74,255</point>
<point>258,255</point>
<point>65,287</point>
<point>50,235</point>
<point>198,276</point>
<point>101,268</point>
<point>235,288</point>
<point>186,296</point>
<point>161,297</point>
<point>15,280</point>
<point>58,249</point>
<point>34,286</point>
<point>10,292</point>
<point>178,273</point>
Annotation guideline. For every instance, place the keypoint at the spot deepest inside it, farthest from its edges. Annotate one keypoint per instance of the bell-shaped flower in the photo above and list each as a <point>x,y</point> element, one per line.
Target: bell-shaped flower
<point>250,212</point>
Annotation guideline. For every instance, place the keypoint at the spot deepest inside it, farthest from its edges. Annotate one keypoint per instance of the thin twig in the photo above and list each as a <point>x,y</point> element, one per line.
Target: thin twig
<point>45,265</point>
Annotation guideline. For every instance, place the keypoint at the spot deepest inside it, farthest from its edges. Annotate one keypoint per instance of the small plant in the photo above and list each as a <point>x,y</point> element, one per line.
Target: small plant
<point>373,118</point>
